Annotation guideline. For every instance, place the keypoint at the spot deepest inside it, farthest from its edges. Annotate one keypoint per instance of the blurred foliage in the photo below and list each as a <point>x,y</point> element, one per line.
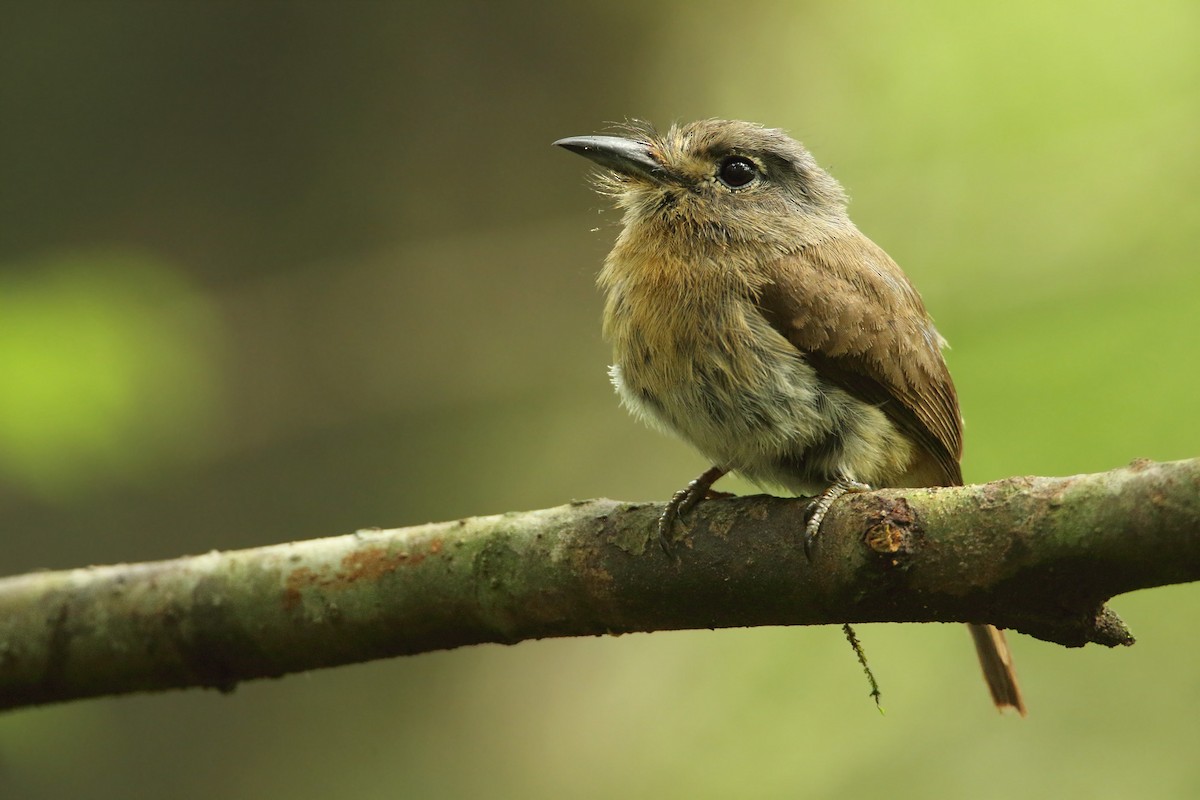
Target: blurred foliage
<point>277,270</point>
<point>107,369</point>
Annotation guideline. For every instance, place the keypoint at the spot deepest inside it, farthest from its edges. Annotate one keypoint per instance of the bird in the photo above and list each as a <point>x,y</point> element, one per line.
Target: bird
<point>750,317</point>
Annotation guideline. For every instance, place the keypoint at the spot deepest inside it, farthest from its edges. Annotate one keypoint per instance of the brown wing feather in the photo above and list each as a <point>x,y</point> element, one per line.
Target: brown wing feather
<point>851,310</point>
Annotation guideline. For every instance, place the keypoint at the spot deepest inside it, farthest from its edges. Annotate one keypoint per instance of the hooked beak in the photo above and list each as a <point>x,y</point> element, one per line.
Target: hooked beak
<point>625,156</point>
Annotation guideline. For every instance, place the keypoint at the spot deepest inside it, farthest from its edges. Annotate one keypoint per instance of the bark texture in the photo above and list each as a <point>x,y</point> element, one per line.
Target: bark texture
<point>1036,555</point>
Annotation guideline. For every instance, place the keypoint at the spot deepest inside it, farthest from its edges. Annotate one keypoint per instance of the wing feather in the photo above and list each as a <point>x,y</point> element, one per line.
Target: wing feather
<point>859,322</point>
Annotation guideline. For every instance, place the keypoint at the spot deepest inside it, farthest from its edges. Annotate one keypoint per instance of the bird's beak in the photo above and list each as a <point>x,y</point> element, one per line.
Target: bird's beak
<point>625,156</point>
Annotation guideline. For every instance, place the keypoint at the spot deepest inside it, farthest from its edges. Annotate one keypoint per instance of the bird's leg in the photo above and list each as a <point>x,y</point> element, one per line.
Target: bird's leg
<point>820,505</point>
<point>684,501</point>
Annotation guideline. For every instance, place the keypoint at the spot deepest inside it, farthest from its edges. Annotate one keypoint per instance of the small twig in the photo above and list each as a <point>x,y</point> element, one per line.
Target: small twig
<point>856,645</point>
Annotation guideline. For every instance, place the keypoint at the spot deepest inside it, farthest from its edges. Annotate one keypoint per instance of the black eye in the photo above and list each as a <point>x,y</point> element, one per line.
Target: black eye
<point>737,171</point>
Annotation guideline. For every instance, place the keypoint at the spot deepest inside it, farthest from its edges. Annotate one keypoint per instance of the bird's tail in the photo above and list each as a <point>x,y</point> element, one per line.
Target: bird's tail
<point>996,660</point>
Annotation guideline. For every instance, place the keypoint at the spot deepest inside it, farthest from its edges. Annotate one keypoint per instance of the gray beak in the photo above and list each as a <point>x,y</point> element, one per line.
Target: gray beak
<point>625,156</point>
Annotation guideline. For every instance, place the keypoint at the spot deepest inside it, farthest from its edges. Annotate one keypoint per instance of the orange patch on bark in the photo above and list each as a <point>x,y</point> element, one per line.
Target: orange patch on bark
<point>368,563</point>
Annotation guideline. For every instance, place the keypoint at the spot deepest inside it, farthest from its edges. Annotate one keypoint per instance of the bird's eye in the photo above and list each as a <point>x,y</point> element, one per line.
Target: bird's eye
<point>737,171</point>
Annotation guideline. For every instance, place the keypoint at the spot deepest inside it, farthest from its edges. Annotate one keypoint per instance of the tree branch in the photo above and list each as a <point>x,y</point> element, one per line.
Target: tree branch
<point>1038,555</point>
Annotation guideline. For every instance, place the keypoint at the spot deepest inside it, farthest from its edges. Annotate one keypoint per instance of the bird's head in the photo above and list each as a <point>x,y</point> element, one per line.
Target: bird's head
<point>722,180</point>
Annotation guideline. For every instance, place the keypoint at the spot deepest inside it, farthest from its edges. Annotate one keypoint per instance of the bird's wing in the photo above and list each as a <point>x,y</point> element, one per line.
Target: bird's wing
<point>858,321</point>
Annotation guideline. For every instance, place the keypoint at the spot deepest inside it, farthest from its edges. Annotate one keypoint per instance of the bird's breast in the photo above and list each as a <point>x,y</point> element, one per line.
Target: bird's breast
<point>714,372</point>
<point>701,361</point>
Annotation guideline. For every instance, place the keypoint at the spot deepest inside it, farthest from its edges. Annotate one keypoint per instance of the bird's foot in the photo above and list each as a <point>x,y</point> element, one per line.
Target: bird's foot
<point>821,504</point>
<point>684,501</point>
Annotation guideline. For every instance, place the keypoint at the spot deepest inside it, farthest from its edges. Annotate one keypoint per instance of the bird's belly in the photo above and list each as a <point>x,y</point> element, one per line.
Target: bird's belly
<point>761,410</point>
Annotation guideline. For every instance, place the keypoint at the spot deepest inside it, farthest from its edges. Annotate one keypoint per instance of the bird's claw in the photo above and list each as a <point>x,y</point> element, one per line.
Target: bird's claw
<point>820,505</point>
<point>684,501</point>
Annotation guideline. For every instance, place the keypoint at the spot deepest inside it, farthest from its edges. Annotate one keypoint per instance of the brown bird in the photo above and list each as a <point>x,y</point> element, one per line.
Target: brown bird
<point>749,316</point>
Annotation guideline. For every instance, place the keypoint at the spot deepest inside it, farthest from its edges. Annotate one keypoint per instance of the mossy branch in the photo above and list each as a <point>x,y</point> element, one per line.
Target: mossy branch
<point>1037,555</point>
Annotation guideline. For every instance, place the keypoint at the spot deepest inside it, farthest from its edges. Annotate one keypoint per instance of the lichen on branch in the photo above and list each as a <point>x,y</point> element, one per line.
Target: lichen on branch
<point>1037,555</point>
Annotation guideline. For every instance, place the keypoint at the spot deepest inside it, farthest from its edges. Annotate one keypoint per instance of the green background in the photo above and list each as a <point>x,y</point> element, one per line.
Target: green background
<point>272,271</point>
